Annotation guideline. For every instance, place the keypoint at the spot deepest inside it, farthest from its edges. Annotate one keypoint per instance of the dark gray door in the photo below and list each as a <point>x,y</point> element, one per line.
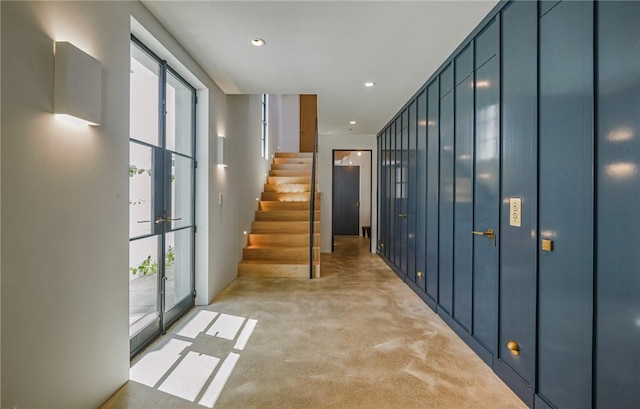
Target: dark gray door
<point>346,205</point>
<point>566,206</point>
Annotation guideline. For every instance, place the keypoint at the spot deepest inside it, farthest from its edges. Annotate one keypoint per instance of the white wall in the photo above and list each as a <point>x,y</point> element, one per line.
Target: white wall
<point>289,135</point>
<point>65,204</point>
<point>0,218</point>
<point>326,145</point>
<point>240,183</point>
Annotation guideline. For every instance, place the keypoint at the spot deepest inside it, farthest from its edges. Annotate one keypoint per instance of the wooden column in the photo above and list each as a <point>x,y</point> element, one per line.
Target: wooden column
<point>308,115</point>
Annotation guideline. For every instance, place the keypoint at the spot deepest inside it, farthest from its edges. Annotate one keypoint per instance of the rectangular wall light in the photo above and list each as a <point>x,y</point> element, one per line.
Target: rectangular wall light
<point>78,84</point>
<point>222,154</point>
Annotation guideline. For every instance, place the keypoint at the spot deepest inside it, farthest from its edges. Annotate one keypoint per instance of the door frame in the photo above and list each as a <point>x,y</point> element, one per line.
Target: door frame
<point>166,318</point>
<point>333,175</point>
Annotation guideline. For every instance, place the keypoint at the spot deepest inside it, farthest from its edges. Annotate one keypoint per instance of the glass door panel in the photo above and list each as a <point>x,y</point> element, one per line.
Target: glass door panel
<point>179,114</point>
<point>178,267</point>
<point>143,284</point>
<point>181,199</point>
<point>140,190</point>
<point>144,97</point>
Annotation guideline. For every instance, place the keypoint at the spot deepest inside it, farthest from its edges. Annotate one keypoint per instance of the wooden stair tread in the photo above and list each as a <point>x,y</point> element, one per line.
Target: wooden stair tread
<point>278,245</point>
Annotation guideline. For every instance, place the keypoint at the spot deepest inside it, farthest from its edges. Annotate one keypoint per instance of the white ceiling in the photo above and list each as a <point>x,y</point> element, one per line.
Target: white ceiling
<point>329,48</point>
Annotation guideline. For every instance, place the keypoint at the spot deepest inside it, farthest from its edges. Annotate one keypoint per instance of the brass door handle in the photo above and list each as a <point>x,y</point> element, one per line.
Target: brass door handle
<point>513,347</point>
<point>161,220</point>
<point>490,234</point>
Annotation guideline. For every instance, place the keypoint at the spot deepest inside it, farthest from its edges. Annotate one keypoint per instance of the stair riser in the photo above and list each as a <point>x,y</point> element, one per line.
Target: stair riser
<point>283,227</point>
<point>288,188</point>
<point>273,205</point>
<point>284,254</point>
<point>288,172</point>
<point>289,240</point>
<point>285,161</point>
<point>300,167</point>
<point>284,215</point>
<point>286,197</point>
<point>285,180</point>
<point>294,154</point>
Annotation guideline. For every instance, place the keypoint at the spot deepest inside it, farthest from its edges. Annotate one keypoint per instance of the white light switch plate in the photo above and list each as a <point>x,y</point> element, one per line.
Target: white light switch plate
<point>515,211</point>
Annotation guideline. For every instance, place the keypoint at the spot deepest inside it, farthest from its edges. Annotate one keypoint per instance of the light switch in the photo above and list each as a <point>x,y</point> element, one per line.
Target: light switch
<point>515,211</point>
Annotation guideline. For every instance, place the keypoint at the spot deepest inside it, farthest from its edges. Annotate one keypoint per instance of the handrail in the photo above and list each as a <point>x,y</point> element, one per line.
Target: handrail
<point>312,203</point>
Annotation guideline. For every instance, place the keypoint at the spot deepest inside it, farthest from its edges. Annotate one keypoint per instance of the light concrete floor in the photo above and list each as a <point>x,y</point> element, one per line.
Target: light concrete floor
<point>356,338</point>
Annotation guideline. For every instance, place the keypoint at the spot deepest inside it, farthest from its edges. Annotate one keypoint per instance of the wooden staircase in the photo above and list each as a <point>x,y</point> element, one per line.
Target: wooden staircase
<point>278,245</point>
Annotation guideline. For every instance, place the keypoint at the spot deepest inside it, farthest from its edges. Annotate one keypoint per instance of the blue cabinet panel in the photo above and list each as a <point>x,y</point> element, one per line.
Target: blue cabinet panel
<point>618,203</point>
<point>387,192</point>
<point>393,166</point>
<point>546,5</point>
<point>445,259</point>
<point>421,205</point>
<point>486,203</point>
<point>446,80</point>
<point>566,205</point>
<point>487,43</point>
<point>379,220</point>
<point>463,207</point>
<point>518,244</point>
<point>464,64</point>
<point>433,178</point>
<point>403,167</point>
<point>411,192</point>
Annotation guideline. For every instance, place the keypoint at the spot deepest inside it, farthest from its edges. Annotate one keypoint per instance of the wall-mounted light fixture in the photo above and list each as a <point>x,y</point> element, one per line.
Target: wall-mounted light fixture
<point>77,84</point>
<point>222,155</point>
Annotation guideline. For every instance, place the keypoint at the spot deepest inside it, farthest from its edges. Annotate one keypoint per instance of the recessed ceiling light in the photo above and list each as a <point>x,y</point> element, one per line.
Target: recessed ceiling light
<point>369,84</point>
<point>352,122</point>
<point>258,42</point>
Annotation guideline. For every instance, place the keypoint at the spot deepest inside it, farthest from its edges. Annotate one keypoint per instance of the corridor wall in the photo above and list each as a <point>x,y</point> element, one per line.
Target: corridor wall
<point>508,191</point>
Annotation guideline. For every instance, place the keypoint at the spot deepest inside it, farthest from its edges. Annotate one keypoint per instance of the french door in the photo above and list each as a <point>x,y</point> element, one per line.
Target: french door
<point>161,196</point>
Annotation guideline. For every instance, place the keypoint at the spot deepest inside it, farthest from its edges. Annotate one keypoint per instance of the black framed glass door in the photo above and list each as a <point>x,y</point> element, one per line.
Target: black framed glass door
<point>161,196</point>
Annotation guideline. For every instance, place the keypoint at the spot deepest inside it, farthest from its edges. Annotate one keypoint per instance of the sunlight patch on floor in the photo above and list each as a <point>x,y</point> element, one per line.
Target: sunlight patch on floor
<point>178,370</point>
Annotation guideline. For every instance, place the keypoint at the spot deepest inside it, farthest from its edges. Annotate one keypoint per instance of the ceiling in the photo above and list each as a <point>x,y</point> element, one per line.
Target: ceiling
<point>328,48</point>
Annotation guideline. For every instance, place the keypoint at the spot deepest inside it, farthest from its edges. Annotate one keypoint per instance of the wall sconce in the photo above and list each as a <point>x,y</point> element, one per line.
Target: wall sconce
<point>77,85</point>
<point>222,155</point>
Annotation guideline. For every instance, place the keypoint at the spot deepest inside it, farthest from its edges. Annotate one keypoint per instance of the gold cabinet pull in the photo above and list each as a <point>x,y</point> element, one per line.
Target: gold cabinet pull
<point>490,233</point>
<point>513,347</point>
<point>419,274</point>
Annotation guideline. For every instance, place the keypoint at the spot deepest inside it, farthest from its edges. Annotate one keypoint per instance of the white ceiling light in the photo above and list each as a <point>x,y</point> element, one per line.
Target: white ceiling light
<point>258,42</point>
<point>369,84</point>
<point>352,122</point>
